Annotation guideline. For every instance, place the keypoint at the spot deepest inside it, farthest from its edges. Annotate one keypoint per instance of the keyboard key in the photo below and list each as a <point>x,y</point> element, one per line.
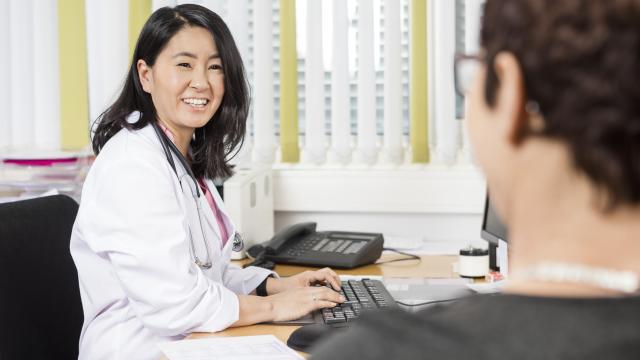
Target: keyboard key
<point>363,295</point>
<point>335,320</point>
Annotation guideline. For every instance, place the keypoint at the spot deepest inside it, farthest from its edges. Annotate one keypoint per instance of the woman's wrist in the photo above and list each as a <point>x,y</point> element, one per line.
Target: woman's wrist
<point>254,310</point>
<point>275,286</point>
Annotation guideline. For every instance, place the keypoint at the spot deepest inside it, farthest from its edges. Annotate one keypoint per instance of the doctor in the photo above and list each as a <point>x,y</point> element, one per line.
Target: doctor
<point>152,241</point>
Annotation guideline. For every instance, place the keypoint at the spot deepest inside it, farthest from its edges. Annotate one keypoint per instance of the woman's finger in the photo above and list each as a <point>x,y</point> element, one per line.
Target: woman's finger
<point>330,271</point>
<point>330,295</point>
<point>321,304</point>
<point>332,278</point>
<point>326,276</point>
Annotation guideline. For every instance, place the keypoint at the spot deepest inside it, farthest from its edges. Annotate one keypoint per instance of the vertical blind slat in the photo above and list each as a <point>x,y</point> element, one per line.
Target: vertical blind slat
<point>264,139</point>
<point>418,94</point>
<point>315,149</point>
<point>340,94</point>
<point>5,73</point>
<point>367,147</point>
<point>473,11</point>
<point>238,22</point>
<point>95,59</point>
<point>74,104</point>
<point>108,52</point>
<point>447,128</point>
<point>22,80</point>
<point>431,88</point>
<point>139,11</point>
<point>288,83</point>
<point>393,147</point>
<point>46,95</point>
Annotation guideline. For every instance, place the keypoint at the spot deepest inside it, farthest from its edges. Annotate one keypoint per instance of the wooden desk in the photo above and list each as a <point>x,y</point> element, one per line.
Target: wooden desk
<point>428,267</point>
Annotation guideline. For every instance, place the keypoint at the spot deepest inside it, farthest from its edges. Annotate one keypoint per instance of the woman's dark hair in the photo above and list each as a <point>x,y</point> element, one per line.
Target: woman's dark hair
<point>581,64</point>
<point>214,142</point>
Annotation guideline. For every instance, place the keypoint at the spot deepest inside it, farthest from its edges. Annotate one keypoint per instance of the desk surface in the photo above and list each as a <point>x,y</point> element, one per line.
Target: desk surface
<point>429,266</point>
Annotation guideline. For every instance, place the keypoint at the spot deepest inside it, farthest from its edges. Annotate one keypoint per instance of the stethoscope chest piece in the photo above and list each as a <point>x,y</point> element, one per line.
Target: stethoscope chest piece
<point>203,265</point>
<point>238,243</point>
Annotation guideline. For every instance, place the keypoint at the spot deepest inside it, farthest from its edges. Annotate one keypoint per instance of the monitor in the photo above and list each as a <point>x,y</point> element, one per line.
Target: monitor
<point>494,231</point>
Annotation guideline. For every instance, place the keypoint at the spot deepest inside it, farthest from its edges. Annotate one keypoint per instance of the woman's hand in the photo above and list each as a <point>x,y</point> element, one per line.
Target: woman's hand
<point>296,303</point>
<point>288,305</point>
<point>324,276</point>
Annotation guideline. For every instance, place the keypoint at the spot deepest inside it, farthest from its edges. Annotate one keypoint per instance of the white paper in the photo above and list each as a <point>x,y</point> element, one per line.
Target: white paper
<point>487,288</point>
<point>266,347</point>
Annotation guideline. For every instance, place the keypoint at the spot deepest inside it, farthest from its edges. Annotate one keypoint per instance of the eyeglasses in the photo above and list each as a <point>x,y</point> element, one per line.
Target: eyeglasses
<point>465,67</point>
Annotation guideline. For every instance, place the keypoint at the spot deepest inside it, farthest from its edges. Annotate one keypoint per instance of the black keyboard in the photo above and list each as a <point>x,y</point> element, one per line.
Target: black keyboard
<point>362,295</point>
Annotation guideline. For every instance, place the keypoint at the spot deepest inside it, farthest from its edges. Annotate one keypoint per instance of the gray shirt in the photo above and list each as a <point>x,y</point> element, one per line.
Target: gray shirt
<point>496,327</point>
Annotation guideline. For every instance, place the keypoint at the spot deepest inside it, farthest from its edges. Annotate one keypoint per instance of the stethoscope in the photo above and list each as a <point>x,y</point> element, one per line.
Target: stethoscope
<point>168,146</point>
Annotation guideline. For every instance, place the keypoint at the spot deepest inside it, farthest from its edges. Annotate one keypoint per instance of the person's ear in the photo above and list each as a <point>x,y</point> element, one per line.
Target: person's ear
<point>510,97</point>
<point>145,76</point>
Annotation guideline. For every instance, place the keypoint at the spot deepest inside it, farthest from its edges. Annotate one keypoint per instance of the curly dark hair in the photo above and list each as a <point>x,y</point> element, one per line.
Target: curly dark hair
<point>581,63</point>
<point>214,144</point>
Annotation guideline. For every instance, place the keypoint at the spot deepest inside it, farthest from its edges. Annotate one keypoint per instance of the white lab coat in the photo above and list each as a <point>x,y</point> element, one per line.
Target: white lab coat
<point>130,243</point>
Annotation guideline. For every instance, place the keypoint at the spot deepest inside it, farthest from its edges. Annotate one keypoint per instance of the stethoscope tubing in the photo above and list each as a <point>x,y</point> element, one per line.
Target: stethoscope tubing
<point>168,147</point>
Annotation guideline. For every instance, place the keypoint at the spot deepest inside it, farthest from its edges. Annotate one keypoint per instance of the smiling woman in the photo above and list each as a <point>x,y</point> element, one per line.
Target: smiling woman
<point>186,83</point>
<point>152,240</point>
<point>181,59</point>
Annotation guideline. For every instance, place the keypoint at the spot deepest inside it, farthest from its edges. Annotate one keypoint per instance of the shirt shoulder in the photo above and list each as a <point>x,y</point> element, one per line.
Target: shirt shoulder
<point>393,334</point>
<point>495,327</point>
<point>131,159</point>
<point>133,145</point>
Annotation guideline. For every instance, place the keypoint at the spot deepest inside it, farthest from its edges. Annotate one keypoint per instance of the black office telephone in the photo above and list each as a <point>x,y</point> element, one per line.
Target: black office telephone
<point>301,244</point>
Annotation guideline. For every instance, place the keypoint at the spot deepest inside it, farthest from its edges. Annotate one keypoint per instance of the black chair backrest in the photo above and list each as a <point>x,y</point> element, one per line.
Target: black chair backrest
<point>40,308</point>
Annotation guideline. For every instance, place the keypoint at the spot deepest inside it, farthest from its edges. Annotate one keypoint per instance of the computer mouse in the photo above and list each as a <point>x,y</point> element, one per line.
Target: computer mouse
<point>306,336</point>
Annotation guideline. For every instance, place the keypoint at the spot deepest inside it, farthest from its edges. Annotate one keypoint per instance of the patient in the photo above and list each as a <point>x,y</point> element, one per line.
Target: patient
<point>554,117</point>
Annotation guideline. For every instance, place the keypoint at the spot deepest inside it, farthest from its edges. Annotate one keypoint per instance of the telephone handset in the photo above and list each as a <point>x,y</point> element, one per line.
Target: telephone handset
<point>290,233</point>
<point>301,244</point>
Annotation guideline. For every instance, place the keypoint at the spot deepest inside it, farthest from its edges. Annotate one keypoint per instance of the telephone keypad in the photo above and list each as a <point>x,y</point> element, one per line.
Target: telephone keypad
<point>322,243</point>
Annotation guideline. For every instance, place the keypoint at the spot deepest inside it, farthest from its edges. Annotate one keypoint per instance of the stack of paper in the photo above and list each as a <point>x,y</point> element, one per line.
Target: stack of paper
<point>30,174</point>
<point>266,347</point>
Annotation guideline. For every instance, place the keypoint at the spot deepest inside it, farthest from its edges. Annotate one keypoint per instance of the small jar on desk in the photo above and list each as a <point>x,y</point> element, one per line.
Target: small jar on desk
<point>473,262</point>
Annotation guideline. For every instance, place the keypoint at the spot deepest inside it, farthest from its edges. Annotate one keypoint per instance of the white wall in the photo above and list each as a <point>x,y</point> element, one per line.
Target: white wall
<point>434,202</point>
<point>459,228</point>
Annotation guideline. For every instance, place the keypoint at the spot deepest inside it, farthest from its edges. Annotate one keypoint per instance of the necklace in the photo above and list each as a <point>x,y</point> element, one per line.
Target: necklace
<point>623,281</point>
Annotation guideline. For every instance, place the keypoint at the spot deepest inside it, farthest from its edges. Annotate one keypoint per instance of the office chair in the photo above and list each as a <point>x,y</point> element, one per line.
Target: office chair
<point>40,309</point>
